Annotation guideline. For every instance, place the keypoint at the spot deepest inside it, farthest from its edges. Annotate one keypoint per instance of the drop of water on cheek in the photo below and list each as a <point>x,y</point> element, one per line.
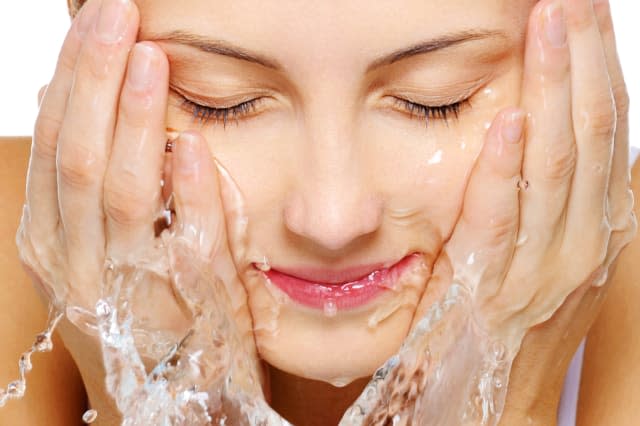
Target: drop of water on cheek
<point>330,308</point>
<point>471,259</point>
<point>90,416</point>
<point>435,158</point>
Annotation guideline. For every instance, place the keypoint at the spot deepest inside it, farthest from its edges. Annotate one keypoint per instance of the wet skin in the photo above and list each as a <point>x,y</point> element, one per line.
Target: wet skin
<point>313,160</point>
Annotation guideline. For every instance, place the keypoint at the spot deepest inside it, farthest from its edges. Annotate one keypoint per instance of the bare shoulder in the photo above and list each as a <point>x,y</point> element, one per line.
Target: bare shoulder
<point>610,384</point>
<point>55,394</point>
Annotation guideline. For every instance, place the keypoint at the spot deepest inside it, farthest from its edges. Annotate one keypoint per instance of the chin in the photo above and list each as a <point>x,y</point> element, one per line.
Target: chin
<point>338,351</point>
<point>339,344</point>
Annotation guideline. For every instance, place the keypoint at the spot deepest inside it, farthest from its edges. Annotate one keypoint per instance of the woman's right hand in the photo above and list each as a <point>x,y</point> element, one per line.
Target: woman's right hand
<point>94,194</point>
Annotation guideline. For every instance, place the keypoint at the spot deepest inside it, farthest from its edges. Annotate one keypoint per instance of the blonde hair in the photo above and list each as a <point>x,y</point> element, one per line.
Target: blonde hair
<point>74,6</point>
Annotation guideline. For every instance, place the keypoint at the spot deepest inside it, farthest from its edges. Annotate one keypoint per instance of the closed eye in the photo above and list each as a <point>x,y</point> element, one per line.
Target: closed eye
<point>429,113</point>
<point>206,114</point>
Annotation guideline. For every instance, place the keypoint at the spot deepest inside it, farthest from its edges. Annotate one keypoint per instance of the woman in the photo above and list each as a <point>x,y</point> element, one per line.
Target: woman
<point>317,114</point>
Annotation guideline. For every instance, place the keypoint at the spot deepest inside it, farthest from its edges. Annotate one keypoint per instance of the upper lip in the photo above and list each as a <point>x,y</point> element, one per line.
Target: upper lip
<point>322,275</point>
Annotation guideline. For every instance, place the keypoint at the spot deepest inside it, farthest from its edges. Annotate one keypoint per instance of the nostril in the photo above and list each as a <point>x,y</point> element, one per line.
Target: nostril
<point>333,226</point>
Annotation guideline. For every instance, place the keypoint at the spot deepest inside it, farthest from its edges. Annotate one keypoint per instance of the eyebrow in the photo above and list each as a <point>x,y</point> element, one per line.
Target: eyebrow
<point>225,48</point>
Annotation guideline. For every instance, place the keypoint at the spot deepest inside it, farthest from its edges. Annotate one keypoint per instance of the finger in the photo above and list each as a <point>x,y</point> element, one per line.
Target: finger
<point>200,214</point>
<point>132,192</point>
<point>594,121</point>
<point>86,136</point>
<point>42,197</point>
<point>550,152</point>
<point>195,189</point>
<point>485,235</point>
<point>620,196</point>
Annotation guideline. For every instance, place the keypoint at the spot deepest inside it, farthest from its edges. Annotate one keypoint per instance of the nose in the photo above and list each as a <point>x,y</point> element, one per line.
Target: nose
<point>333,203</point>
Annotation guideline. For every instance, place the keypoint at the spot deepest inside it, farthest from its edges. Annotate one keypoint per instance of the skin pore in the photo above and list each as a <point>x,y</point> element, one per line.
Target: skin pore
<point>336,171</point>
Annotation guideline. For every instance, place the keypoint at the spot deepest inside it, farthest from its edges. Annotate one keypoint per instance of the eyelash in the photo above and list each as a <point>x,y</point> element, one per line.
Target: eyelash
<point>205,114</point>
<point>428,113</point>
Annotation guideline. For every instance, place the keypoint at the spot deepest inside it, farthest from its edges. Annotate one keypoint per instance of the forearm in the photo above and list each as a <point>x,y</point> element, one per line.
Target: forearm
<point>610,386</point>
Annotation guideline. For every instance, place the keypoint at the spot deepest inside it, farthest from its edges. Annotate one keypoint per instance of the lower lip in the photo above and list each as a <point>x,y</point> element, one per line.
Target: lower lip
<point>348,295</point>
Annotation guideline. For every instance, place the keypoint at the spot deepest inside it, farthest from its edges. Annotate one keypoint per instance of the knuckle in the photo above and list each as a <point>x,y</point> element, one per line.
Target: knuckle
<point>622,99</point>
<point>45,135</point>
<point>580,17</point>
<point>600,119</point>
<point>502,228</point>
<point>80,167</point>
<point>66,63</point>
<point>95,61</point>
<point>560,162</point>
<point>125,203</point>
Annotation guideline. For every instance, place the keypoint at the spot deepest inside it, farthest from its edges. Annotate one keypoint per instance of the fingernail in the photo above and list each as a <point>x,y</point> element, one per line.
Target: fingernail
<point>512,127</point>
<point>188,152</point>
<point>141,71</point>
<point>554,25</point>
<point>113,20</point>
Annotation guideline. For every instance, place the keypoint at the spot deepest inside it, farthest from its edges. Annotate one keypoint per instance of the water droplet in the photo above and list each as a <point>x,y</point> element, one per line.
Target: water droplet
<point>522,239</point>
<point>102,308</point>
<point>25,363</point>
<point>264,265</point>
<point>371,393</point>
<point>435,158</point>
<point>16,389</point>
<point>90,416</point>
<point>330,308</point>
<point>471,259</point>
<point>340,382</point>
<point>43,343</point>
<point>499,351</point>
<point>523,185</point>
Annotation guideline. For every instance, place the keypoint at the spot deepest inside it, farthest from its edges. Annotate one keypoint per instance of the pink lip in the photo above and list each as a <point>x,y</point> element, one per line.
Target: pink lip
<point>348,288</point>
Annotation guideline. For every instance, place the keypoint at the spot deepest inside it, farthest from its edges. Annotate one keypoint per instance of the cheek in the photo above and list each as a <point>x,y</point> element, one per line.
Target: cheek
<point>431,167</point>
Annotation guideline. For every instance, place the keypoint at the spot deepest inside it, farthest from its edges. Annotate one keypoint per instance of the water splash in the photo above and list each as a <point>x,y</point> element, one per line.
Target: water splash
<point>447,372</point>
<point>42,343</point>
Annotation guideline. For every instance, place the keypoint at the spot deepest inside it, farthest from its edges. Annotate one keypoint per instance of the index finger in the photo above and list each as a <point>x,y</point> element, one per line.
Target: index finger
<point>42,199</point>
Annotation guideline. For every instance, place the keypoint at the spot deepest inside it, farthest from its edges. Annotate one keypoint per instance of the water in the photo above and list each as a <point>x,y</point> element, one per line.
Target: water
<point>330,308</point>
<point>42,343</point>
<point>453,367</point>
<point>90,416</point>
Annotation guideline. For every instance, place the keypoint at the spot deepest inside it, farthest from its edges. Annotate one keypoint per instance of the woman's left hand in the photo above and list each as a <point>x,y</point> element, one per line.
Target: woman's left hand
<point>546,215</point>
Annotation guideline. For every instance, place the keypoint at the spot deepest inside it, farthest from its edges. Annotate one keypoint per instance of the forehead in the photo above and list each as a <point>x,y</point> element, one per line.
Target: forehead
<point>363,24</point>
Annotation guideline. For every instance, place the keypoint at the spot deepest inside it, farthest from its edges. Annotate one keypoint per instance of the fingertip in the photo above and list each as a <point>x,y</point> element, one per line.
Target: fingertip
<point>502,152</point>
<point>512,126</point>
<point>187,152</point>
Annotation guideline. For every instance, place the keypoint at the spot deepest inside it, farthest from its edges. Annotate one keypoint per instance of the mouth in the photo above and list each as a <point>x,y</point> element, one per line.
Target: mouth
<point>339,289</point>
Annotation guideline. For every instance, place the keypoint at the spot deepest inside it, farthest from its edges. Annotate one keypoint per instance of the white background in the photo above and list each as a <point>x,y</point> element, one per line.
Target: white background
<point>31,33</point>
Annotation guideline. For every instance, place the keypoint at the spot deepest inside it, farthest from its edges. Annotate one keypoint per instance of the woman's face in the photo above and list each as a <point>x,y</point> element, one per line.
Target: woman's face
<point>342,177</point>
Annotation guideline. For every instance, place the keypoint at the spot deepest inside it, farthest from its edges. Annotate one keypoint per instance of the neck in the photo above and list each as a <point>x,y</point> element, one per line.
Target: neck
<point>306,402</point>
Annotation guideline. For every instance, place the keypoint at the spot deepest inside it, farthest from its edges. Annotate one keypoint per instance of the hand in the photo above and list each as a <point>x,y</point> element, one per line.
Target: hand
<point>93,195</point>
<point>543,219</point>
